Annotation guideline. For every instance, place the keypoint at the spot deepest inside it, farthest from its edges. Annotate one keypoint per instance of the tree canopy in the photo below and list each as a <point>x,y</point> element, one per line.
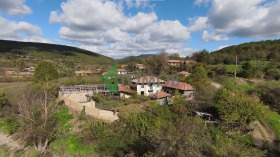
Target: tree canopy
<point>44,72</point>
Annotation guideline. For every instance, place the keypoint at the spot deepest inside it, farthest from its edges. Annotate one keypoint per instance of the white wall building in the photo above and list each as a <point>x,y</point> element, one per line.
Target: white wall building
<point>147,85</point>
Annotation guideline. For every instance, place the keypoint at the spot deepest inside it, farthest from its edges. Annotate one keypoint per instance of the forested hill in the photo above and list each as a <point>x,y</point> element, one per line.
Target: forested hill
<point>262,50</point>
<point>135,59</point>
<point>9,49</point>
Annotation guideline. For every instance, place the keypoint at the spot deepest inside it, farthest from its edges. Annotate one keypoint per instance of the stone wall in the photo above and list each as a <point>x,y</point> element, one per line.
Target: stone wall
<point>74,103</point>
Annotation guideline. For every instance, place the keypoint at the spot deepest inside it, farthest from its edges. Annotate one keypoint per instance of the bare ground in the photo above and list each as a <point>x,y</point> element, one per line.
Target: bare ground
<point>263,136</point>
<point>9,142</point>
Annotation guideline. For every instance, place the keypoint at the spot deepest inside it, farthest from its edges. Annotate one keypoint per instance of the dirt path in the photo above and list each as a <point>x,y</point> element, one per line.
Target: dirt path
<point>263,136</point>
<point>9,142</point>
<point>216,85</point>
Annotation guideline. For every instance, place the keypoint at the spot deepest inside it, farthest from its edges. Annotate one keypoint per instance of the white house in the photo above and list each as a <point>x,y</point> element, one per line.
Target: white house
<point>147,85</point>
<point>122,72</point>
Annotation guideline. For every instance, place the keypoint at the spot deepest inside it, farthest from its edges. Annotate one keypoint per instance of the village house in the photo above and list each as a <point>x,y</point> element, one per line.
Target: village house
<point>122,72</point>
<point>161,97</point>
<point>29,69</point>
<point>184,89</point>
<point>173,62</point>
<point>124,91</point>
<point>184,73</point>
<point>140,66</point>
<point>123,66</point>
<point>147,85</point>
<point>87,72</point>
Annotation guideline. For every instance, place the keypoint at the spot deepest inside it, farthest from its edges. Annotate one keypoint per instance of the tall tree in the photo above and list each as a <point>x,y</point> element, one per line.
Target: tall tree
<point>199,78</point>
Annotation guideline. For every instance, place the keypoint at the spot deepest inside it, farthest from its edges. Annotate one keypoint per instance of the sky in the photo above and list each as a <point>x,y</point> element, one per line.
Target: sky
<point>121,28</point>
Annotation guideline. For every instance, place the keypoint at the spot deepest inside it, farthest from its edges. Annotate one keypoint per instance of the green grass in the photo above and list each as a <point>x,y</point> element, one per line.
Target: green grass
<point>64,118</point>
<point>231,68</point>
<point>9,125</point>
<point>273,120</point>
<point>13,90</point>
<point>244,139</point>
<point>71,146</point>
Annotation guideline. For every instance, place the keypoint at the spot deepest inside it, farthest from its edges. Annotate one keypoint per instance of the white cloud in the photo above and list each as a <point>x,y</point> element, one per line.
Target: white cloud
<point>182,52</point>
<point>221,47</point>
<point>21,31</point>
<point>14,7</point>
<point>202,2</point>
<point>139,22</point>
<point>253,18</point>
<point>198,23</point>
<point>206,36</point>
<point>136,3</point>
<point>12,29</point>
<point>101,26</point>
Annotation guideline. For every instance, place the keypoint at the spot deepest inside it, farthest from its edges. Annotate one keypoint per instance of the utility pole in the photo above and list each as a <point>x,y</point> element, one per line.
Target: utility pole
<point>235,67</point>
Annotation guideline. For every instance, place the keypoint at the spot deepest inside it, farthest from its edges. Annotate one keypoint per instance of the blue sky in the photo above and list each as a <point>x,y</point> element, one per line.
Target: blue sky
<point>120,28</point>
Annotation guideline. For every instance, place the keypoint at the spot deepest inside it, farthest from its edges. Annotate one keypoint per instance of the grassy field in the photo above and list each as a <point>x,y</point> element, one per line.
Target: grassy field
<point>13,90</point>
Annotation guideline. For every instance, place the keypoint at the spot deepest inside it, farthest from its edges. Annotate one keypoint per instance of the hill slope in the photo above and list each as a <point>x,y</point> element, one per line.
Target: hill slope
<point>56,53</point>
<point>262,50</point>
<point>135,59</point>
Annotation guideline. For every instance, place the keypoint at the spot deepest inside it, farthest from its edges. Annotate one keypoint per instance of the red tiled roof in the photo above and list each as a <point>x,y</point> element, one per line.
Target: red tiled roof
<point>147,79</point>
<point>121,70</point>
<point>159,95</point>
<point>178,85</point>
<point>123,88</point>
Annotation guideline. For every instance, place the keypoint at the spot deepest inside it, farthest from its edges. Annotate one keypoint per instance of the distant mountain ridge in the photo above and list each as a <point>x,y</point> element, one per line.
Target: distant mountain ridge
<point>52,52</point>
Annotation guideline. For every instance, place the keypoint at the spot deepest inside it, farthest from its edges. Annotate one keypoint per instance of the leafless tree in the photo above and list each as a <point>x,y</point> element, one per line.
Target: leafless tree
<point>37,118</point>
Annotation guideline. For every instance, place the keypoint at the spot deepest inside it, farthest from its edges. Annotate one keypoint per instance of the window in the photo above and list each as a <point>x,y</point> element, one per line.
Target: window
<point>142,86</point>
<point>142,92</point>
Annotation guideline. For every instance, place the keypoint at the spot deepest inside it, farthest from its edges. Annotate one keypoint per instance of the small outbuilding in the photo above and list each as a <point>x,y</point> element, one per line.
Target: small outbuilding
<point>161,97</point>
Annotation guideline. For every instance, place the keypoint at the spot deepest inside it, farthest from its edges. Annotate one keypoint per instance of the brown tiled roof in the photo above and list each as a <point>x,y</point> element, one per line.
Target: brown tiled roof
<point>183,73</point>
<point>121,70</point>
<point>159,95</point>
<point>178,85</point>
<point>123,88</point>
<point>148,79</point>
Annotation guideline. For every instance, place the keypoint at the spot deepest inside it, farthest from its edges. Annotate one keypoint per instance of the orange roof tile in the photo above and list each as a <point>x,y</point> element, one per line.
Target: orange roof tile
<point>178,85</point>
<point>159,95</point>
<point>123,88</point>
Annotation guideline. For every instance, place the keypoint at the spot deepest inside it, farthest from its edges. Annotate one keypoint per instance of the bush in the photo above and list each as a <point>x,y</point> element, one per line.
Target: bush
<point>9,125</point>
<point>237,106</point>
<point>3,99</point>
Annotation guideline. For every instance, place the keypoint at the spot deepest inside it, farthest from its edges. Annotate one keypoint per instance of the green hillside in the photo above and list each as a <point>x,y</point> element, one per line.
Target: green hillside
<point>263,50</point>
<point>135,59</point>
<point>56,53</point>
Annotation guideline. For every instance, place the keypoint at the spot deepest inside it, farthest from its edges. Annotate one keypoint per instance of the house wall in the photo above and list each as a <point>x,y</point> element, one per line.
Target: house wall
<point>155,88</point>
<point>187,94</point>
<point>124,95</point>
<point>122,72</point>
<point>163,101</point>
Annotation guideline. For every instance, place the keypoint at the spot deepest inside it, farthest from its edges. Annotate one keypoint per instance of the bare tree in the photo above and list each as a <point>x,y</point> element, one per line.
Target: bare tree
<point>157,64</point>
<point>37,118</point>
